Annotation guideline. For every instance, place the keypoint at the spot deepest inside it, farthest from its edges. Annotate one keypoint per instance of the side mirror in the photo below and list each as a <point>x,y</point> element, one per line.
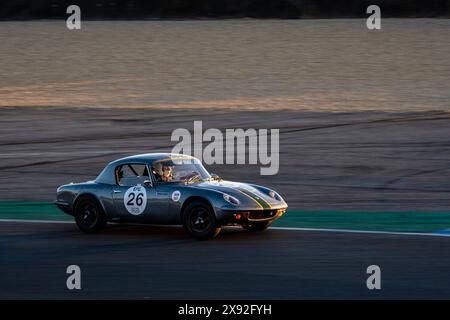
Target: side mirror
<point>148,183</point>
<point>215,177</point>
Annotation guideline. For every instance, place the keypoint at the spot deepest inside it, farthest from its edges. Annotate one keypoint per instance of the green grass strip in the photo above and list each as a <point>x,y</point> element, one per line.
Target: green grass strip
<point>370,221</point>
<point>350,220</point>
<point>27,210</point>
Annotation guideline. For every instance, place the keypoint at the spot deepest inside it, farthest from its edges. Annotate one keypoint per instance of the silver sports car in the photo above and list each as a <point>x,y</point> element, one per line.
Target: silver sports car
<point>163,188</point>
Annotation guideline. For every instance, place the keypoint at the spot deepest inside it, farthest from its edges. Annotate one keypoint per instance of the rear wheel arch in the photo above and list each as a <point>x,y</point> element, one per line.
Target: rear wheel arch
<point>88,195</point>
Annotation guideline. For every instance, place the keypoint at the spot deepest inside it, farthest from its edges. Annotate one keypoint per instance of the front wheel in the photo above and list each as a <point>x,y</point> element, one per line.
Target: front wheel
<point>257,226</point>
<point>200,221</point>
<point>89,216</point>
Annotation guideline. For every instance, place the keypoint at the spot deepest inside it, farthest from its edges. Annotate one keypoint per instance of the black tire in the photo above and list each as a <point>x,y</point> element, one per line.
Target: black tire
<point>89,215</point>
<point>200,221</point>
<point>257,226</point>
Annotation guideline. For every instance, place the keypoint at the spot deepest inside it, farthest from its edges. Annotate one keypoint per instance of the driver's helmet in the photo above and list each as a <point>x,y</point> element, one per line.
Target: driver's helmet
<point>168,163</point>
<point>159,167</point>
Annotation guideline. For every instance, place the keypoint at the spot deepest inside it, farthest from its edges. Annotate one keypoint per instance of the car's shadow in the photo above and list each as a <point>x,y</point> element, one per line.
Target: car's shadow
<point>177,232</point>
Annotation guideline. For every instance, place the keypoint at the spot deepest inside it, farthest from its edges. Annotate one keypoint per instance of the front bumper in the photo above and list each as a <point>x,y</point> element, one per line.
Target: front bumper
<point>245,217</point>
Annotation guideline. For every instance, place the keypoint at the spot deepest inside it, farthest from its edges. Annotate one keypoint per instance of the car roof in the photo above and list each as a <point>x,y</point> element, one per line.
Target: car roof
<point>107,175</point>
<point>149,158</point>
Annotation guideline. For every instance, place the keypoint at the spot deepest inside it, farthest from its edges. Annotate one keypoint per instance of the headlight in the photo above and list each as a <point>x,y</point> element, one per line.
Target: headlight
<point>230,199</point>
<point>275,195</point>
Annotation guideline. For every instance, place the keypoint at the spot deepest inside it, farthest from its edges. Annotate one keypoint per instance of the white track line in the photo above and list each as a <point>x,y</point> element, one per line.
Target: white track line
<point>364,231</point>
<point>276,228</point>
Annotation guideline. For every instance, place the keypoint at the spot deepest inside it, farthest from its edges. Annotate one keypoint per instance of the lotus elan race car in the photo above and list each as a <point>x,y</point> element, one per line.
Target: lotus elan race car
<point>168,189</point>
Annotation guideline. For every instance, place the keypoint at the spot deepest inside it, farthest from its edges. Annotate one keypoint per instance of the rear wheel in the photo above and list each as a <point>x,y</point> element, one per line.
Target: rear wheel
<point>257,226</point>
<point>200,221</point>
<point>89,216</point>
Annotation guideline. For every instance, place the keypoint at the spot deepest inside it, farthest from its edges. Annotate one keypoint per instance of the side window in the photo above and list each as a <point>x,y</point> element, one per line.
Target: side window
<point>131,174</point>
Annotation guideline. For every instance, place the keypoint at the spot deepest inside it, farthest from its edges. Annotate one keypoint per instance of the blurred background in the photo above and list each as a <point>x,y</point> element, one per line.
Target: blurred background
<point>184,9</point>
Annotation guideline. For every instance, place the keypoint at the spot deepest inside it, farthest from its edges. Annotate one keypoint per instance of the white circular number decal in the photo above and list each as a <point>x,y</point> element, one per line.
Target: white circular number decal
<point>176,196</point>
<point>135,200</point>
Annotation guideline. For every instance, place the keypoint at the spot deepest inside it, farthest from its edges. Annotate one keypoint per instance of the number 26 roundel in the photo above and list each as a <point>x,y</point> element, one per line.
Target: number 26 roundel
<point>135,200</point>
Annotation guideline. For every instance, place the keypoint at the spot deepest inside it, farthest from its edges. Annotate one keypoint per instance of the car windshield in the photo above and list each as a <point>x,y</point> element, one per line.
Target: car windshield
<point>179,170</point>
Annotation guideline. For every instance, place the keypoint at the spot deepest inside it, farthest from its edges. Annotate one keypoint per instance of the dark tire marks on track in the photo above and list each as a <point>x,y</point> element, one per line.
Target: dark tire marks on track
<point>390,161</point>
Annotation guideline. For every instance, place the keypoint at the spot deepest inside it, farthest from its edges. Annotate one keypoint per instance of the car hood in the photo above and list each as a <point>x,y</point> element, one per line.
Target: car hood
<point>245,193</point>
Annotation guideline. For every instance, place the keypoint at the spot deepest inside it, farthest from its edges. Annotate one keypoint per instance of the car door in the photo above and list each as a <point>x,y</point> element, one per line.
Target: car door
<point>134,195</point>
<point>163,198</point>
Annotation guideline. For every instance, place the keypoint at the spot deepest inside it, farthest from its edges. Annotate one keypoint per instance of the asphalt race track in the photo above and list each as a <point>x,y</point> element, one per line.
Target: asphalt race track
<point>355,161</point>
<point>146,262</point>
